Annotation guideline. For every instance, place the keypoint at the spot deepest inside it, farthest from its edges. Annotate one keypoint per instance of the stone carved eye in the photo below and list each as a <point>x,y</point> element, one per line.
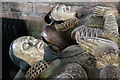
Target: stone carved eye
<point>26,45</point>
<point>35,41</point>
<point>67,8</point>
<point>41,46</point>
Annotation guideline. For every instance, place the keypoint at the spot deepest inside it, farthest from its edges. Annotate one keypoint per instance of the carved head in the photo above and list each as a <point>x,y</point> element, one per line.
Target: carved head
<point>29,49</point>
<point>62,12</point>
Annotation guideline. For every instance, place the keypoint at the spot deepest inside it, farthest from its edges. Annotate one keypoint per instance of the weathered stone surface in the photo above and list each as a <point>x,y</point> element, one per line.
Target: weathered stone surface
<point>11,14</point>
<point>42,7</point>
<point>110,72</point>
<point>20,7</point>
<point>4,6</point>
<point>35,26</point>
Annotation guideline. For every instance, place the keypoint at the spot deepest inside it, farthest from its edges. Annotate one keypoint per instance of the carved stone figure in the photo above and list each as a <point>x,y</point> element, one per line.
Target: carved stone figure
<point>77,47</point>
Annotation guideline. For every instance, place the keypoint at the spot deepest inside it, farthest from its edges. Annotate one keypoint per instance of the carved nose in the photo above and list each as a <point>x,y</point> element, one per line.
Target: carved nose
<point>35,42</point>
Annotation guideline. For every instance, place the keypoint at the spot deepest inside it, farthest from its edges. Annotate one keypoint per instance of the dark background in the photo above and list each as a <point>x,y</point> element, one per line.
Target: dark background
<point>11,29</point>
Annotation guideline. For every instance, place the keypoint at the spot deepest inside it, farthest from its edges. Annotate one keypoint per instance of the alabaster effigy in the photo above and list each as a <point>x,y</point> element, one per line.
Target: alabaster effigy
<point>74,47</point>
<point>28,46</point>
<point>26,51</point>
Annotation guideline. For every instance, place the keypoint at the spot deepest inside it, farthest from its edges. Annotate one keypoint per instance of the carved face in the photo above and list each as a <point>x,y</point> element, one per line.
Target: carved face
<point>62,12</point>
<point>29,49</point>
